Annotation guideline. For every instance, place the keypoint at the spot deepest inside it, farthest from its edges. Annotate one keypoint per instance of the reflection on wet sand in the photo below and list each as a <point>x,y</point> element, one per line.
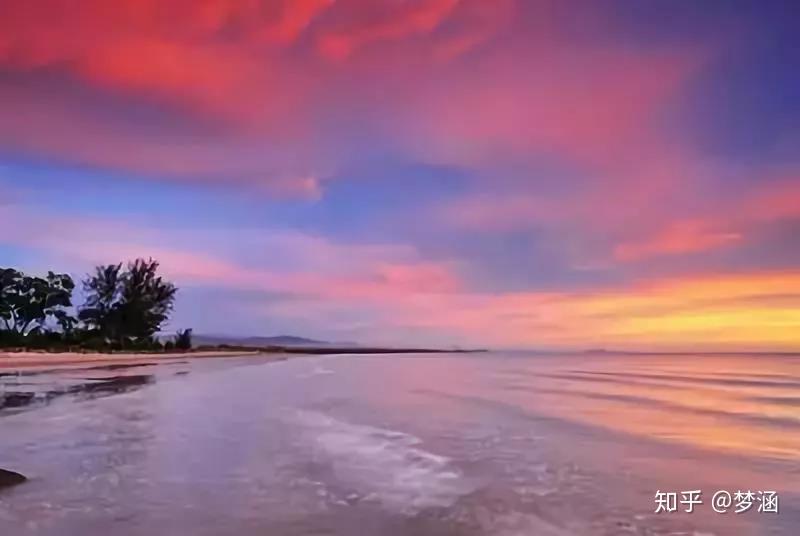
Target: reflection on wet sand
<point>705,406</point>
<point>468,445</point>
<point>27,390</point>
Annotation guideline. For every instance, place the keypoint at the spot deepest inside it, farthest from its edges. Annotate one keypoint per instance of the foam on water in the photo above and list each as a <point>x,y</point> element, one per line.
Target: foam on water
<point>385,465</point>
<point>316,371</point>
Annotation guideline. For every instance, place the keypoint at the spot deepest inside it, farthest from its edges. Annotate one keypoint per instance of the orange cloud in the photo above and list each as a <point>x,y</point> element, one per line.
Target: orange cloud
<point>754,310</point>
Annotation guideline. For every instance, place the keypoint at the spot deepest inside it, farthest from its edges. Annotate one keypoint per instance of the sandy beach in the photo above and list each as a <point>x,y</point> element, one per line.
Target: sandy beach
<point>29,361</point>
<point>511,443</point>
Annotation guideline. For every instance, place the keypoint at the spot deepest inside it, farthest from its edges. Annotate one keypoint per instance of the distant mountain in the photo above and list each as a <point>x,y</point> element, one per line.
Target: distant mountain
<point>282,340</point>
<point>278,340</point>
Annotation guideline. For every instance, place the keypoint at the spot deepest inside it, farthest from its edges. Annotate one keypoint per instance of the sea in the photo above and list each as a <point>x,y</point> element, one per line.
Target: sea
<point>495,443</point>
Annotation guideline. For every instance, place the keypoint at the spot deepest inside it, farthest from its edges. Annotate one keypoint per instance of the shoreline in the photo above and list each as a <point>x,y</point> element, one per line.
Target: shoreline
<point>39,361</point>
<point>26,361</point>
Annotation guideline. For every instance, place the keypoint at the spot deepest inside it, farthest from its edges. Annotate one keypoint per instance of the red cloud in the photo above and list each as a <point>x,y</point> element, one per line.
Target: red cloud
<point>421,16</point>
<point>295,18</point>
<point>250,69</point>
<point>474,24</point>
<point>248,65</point>
<point>213,57</point>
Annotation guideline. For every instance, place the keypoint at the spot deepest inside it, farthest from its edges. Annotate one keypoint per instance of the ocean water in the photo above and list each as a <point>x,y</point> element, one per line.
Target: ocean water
<point>456,444</point>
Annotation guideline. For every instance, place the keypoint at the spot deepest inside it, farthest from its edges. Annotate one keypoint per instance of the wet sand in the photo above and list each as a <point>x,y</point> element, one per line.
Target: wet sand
<point>39,361</point>
<point>44,361</point>
<point>501,444</point>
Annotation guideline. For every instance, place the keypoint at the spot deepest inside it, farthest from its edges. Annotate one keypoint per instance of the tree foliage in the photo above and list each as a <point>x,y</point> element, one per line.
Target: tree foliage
<point>127,306</point>
<point>124,309</point>
<point>183,339</point>
<point>27,303</point>
<point>102,296</point>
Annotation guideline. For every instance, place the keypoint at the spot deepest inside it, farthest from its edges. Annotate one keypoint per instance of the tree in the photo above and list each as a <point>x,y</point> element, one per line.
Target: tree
<point>102,291</point>
<point>127,306</point>
<point>27,302</point>
<point>183,339</point>
<point>146,299</point>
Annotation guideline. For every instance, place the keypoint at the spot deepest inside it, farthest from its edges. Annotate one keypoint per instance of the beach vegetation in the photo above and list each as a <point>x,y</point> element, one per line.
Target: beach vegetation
<point>183,339</point>
<point>124,309</point>
<point>128,306</point>
<point>28,303</point>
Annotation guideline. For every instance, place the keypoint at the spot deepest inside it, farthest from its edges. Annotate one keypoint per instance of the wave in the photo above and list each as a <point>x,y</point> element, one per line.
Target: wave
<point>386,466</point>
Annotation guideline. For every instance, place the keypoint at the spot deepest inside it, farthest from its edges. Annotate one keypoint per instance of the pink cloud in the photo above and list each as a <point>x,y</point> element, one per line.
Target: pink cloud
<point>420,16</point>
<point>777,200</point>
<point>252,68</point>
<point>679,237</point>
<point>726,224</point>
<point>479,22</point>
<point>594,104</point>
<point>509,211</point>
<point>295,18</point>
<point>309,266</point>
<point>664,214</point>
<point>385,290</point>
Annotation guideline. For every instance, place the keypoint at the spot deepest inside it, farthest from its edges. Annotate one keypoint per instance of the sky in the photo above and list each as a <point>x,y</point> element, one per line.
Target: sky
<point>498,173</point>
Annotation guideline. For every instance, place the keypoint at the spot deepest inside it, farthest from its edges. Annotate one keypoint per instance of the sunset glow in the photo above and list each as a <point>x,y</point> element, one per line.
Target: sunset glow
<point>500,173</point>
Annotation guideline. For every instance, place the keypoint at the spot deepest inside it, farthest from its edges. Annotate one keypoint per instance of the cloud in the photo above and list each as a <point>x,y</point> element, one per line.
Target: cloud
<point>509,211</point>
<point>421,16</point>
<point>632,225</point>
<point>232,92</point>
<point>250,70</point>
<point>679,237</point>
<point>569,135</point>
<point>711,311</point>
<point>726,224</point>
<point>383,292</point>
<point>289,262</point>
<point>479,22</point>
<point>777,199</point>
<point>295,18</point>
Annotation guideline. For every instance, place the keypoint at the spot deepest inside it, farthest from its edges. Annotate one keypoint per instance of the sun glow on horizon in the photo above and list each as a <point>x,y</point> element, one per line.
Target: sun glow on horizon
<point>488,173</point>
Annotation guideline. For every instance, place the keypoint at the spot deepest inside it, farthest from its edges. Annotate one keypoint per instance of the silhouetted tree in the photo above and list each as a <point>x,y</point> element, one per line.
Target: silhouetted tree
<point>124,308</point>
<point>147,299</point>
<point>102,290</point>
<point>127,306</point>
<point>183,339</point>
<point>26,302</point>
